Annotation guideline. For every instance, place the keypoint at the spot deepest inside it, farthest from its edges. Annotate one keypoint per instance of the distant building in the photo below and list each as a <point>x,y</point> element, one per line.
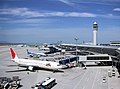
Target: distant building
<point>115,43</point>
<point>104,44</point>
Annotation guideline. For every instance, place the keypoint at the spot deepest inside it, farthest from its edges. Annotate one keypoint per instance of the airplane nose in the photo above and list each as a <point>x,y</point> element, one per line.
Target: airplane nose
<point>119,48</point>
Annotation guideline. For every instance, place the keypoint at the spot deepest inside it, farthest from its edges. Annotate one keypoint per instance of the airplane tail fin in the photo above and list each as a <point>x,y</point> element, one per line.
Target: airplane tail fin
<point>28,52</point>
<point>13,54</point>
<point>54,49</point>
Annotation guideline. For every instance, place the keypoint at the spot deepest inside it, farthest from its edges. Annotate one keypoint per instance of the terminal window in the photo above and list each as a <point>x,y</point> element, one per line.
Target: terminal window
<point>98,58</point>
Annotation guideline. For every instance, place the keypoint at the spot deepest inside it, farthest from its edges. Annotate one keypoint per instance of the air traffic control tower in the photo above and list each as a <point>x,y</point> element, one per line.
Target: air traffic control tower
<point>95,29</point>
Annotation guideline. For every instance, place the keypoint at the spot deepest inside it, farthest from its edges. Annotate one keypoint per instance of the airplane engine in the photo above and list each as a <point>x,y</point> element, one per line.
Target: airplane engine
<point>30,68</point>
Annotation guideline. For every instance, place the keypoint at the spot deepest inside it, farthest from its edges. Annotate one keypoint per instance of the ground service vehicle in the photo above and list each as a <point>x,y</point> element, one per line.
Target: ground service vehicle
<point>48,83</point>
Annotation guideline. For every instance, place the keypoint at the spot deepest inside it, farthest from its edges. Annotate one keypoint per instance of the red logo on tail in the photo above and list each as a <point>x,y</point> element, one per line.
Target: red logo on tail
<point>12,53</point>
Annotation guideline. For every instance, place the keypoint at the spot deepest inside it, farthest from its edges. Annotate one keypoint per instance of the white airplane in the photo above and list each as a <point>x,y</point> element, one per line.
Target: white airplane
<point>31,54</point>
<point>50,51</point>
<point>32,64</point>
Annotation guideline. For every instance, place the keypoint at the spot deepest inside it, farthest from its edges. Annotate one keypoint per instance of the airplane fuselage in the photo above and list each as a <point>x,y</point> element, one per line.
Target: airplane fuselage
<point>38,63</point>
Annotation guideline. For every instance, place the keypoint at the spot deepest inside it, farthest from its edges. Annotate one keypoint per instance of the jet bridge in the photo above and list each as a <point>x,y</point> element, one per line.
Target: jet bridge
<point>100,59</point>
<point>95,58</point>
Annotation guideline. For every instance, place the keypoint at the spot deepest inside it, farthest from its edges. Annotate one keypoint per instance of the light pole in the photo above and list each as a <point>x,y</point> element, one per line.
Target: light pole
<point>76,39</point>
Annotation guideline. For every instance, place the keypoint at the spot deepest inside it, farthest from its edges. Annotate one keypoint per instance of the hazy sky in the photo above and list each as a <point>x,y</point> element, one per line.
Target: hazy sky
<point>59,20</point>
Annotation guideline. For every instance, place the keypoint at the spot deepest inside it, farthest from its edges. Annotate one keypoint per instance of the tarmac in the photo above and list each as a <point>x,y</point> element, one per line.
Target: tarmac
<point>72,78</point>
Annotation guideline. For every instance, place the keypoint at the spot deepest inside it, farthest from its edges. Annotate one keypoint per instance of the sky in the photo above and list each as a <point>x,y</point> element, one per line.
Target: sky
<point>50,21</point>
